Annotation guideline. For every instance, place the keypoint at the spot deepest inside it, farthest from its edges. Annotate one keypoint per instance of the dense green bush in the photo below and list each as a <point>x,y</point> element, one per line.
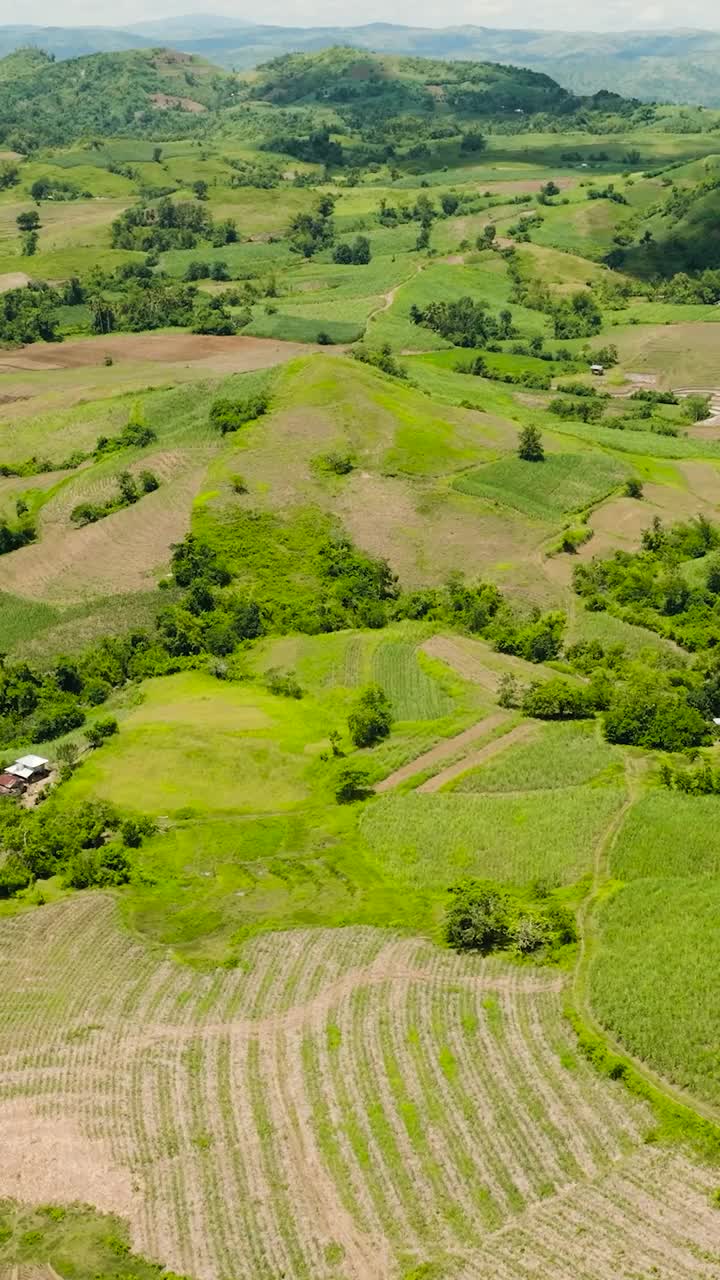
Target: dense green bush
<point>371,718</point>
<point>229,415</point>
<point>556,699</point>
<point>485,917</point>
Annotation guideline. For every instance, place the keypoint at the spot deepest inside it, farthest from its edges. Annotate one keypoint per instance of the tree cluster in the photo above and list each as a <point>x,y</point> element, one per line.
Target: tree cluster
<point>484,916</point>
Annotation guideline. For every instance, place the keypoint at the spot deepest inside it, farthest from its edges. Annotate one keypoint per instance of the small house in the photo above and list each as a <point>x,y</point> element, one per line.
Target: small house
<point>28,768</point>
<point>597,369</point>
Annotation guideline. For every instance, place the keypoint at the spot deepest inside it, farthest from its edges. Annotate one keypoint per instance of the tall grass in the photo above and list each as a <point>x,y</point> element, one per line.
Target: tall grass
<point>431,841</point>
<point>655,982</point>
<point>562,755</point>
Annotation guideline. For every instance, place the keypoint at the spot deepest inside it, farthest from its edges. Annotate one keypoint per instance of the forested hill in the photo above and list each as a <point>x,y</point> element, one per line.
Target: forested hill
<point>162,93</point>
<point>48,102</point>
<point>345,77</point>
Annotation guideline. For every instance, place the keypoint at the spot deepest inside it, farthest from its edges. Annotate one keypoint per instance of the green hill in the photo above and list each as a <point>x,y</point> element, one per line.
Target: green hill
<point>51,103</point>
<point>348,79</point>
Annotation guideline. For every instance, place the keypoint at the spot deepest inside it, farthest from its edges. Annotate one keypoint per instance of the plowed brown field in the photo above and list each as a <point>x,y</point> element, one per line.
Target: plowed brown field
<point>345,1105</point>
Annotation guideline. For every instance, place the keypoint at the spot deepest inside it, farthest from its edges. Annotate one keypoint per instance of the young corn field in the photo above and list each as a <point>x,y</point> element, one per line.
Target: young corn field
<point>343,1105</point>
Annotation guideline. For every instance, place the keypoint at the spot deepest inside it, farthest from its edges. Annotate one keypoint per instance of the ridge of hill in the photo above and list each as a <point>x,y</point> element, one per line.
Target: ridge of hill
<point>673,65</point>
<point>160,93</point>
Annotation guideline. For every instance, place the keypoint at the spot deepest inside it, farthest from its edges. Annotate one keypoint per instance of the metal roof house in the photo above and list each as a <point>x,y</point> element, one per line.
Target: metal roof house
<point>597,369</point>
<point>28,768</point>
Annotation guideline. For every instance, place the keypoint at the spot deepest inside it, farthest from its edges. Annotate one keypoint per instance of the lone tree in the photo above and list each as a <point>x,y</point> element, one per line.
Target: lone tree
<point>371,718</point>
<point>530,445</point>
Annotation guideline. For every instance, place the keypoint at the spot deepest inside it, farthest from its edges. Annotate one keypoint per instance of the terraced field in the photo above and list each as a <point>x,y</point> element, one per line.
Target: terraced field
<point>342,1104</point>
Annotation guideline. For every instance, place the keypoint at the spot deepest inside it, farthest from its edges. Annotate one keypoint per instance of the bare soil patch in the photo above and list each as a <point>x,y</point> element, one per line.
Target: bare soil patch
<point>518,734</point>
<point>426,534</point>
<point>122,553</point>
<point>232,354</point>
<point>13,280</point>
<point>448,747</point>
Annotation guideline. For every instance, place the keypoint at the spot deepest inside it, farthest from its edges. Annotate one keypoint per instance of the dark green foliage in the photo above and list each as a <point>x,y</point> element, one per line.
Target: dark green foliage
<point>357,253</point>
<point>128,493</point>
<point>310,232</point>
<point>169,225</point>
<point>478,918</point>
<point>29,220</point>
<point>579,317</point>
<point>14,536</point>
<point>486,917</point>
<point>645,714</point>
<point>28,314</point>
<point>633,487</point>
<point>382,359</point>
<point>193,560</point>
<point>98,868</point>
<point>465,323</point>
<point>646,587</point>
<point>557,699</point>
<point>229,415</point>
<point>337,464</point>
<point>351,783</point>
<point>477,367</point>
<point>530,445</point>
<point>98,732</point>
<point>371,718</point>
<point>583,410</point>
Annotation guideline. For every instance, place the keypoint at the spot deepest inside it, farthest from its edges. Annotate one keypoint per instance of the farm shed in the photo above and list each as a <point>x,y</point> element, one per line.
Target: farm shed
<point>597,369</point>
<point>10,785</point>
<point>29,768</point>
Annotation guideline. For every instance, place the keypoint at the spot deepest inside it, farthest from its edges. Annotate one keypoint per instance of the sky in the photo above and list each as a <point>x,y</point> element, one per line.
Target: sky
<point>583,15</point>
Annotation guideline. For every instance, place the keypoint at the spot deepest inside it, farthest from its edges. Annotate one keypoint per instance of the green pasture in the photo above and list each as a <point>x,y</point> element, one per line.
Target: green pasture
<point>215,748</point>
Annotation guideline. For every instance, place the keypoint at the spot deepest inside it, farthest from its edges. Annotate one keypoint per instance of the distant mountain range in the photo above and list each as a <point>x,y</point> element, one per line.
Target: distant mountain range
<point>672,66</point>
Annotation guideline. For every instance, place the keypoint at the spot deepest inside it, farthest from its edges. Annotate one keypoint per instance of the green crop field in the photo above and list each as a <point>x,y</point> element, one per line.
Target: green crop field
<point>564,482</point>
<point>363,924</point>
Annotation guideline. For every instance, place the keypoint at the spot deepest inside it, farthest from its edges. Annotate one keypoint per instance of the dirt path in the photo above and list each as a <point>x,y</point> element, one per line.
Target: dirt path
<point>390,296</point>
<point>518,734</point>
<point>448,747</point>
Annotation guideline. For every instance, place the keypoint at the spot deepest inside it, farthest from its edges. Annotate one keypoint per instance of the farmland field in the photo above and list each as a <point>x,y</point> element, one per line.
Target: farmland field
<point>360,597</point>
<point>343,1104</point>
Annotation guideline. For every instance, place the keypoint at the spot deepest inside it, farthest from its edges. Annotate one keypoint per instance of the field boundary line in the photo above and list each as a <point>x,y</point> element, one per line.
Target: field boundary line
<point>491,749</point>
<point>581,1009</point>
<point>441,751</point>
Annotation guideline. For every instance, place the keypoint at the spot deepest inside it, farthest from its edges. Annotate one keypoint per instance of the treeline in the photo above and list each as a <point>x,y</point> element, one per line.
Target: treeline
<point>89,845</point>
<point>465,323</point>
<point>211,616</point>
<point>651,588</point>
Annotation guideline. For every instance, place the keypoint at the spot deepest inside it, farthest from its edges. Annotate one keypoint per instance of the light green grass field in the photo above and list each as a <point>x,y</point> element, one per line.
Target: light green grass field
<point>668,834</point>
<point>213,747</point>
